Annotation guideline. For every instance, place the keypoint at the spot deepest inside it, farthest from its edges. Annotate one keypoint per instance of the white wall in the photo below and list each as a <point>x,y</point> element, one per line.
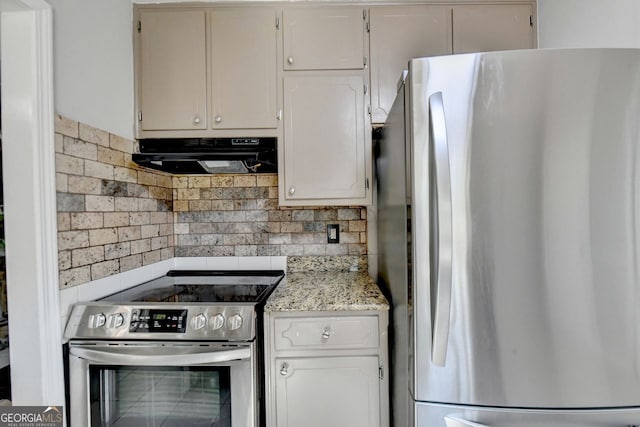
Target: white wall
<point>588,23</point>
<point>93,63</point>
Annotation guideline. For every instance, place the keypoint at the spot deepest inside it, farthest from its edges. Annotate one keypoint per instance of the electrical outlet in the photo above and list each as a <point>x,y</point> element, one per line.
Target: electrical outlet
<point>333,233</point>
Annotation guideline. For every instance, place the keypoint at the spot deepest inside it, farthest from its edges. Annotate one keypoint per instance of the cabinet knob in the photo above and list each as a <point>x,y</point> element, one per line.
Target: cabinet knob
<point>326,334</point>
<point>284,369</point>
<point>290,60</point>
<point>196,120</point>
<point>218,119</point>
<point>292,190</point>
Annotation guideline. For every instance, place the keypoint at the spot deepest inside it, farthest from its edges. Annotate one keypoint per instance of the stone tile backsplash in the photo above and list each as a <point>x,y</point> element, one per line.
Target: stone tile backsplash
<point>238,215</point>
<point>112,215</point>
<point>115,216</point>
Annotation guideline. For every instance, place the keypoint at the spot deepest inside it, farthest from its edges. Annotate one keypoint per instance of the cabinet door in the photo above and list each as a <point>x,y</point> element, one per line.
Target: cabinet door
<point>492,27</point>
<point>172,70</point>
<point>325,138</point>
<point>426,31</point>
<point>323,38</point>
<point>331,391</point>
<point>243,68</point>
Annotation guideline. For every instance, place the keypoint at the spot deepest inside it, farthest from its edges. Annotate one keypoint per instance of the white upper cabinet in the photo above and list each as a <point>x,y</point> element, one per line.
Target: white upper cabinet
<point>323,38</point>
<point>483,28</point>
<point>172,76</point>
<point>206,72</point>
<point>221,70</point>
<point>243,68</point>
<point>399,33</point>
<point>325,153</point>
<point>327,144</point>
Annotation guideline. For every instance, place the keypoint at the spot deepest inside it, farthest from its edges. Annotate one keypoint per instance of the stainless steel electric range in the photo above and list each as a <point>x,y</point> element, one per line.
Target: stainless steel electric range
<point>184,349</point>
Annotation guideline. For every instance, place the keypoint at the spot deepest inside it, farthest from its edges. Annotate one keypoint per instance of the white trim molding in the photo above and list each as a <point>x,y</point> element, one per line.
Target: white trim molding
<point>30,206</point>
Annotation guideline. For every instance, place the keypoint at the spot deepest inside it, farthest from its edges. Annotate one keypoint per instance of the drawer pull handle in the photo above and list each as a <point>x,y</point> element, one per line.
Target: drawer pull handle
<point>284,369</point>
<point>326,334</point>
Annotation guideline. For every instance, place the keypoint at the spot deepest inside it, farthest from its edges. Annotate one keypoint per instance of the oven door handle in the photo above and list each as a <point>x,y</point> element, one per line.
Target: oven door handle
<point>124,356</point>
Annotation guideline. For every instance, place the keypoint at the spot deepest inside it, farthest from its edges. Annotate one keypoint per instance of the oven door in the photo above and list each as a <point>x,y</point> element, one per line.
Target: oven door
<point>120,384</point>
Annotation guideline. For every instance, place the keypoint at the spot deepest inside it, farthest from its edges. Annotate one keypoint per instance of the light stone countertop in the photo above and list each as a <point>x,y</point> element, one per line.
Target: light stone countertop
<point>326,291</point>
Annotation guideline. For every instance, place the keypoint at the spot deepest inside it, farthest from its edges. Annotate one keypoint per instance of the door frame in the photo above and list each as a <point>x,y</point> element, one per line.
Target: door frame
<point>35,337</point>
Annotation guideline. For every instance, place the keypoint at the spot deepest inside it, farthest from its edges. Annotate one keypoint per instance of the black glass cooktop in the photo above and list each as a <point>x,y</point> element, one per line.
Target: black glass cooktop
<point>204,286</point>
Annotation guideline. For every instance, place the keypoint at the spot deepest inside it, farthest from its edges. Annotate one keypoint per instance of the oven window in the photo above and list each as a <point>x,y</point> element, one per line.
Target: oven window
<point>123,396</point>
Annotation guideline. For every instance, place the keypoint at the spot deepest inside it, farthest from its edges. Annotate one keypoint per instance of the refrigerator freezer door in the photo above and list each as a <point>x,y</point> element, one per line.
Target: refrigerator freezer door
<point>428,415</point>
<point>544,148</point>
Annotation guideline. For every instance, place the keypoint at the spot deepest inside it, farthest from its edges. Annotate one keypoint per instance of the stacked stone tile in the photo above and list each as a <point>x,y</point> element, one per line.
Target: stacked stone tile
<point>114,216</point>
<point>238,215</point>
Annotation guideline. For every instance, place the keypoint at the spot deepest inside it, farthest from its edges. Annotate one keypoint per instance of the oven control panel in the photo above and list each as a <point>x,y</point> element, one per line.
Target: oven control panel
<point>197,322</point>
<point>158,320</point>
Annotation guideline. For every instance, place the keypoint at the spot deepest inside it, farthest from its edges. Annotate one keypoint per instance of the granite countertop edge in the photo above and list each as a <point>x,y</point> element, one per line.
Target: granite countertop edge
<point>327,291</point>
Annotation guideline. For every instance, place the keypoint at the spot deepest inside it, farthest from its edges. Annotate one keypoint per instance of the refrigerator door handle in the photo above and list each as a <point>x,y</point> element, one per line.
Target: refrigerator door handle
<point>458,422</point>
<point>441,231</point>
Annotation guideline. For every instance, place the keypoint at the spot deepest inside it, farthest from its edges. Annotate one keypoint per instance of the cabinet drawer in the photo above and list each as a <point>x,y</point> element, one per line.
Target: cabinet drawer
<point>326,333</point>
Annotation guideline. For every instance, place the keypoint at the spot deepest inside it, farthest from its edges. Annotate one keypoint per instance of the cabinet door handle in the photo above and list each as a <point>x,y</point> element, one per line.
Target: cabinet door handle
<point>290,60</point>
<point>326,334</point>
<point>284,369</point>
<point>292,190</point>
<point>196,120</point>
<point>218,119</point>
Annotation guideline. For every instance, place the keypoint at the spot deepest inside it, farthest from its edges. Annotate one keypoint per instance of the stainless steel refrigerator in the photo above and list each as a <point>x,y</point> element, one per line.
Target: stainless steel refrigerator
<point>509,239</point>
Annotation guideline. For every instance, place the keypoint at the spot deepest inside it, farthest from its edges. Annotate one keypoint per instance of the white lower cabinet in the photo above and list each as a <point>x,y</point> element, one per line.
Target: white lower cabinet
<point>328,391</point>
<point>327,369</point>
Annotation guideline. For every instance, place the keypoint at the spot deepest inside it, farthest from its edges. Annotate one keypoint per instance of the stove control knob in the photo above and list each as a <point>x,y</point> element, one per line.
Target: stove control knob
<point>116,320</point>
<point>216,322</point>
<point>234,322</point>
<point>198,321</point>
<point>97,320</point>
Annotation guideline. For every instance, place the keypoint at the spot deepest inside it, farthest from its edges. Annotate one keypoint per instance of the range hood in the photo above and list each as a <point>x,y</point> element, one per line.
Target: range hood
<point>209,155</point>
